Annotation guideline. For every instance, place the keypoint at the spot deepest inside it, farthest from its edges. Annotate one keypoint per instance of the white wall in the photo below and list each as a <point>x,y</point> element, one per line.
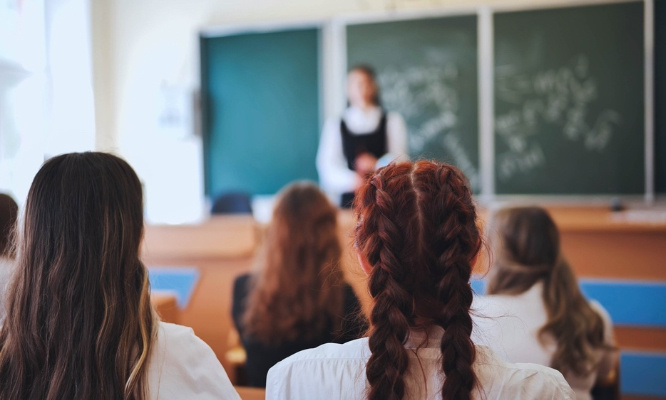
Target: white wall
<point>46,93</point>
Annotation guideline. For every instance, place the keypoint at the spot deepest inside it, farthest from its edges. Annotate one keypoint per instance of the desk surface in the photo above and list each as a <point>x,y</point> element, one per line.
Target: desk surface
<point>580,219</point>
<point>249,393</point>
<point>165,306</point>
<point>218,237</point>
<point>237,236</point>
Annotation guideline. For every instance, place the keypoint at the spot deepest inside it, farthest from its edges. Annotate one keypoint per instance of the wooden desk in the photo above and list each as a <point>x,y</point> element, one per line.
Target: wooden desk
<point>166,306</point>
<point>221,237</point>
<point>249,393</point>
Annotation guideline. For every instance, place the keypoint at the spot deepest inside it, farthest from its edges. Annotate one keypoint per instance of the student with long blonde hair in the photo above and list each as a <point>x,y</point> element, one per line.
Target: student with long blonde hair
<point>80,324</point>
<point>535,311</point>
<point>417,239</point>
<point>297,298</point>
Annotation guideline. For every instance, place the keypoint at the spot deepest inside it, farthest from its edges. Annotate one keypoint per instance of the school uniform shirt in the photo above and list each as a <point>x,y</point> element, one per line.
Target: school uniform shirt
<point>334,371</point>
<point>335,176</point>
<point>509,324</point>
<point>182,366</point>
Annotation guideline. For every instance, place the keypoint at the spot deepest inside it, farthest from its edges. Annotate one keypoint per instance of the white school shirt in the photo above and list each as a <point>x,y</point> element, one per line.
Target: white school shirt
<point>182,366</point>
<point>337,371</point>
<point>509,324</point>
<point>335,176</point>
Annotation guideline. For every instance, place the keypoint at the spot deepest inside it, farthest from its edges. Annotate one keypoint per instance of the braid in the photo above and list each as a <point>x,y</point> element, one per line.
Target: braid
<point>383,242</point>
<point>454,242</point>
<point>417,230</point>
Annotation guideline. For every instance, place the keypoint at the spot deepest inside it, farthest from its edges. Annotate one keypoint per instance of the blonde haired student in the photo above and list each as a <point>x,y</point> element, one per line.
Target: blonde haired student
<point>417,239</point>
<point>80,324</point>
<point>535,311</point>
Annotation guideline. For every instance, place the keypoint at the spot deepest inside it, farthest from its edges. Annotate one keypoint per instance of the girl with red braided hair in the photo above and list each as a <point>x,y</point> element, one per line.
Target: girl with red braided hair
<point>417,239</point>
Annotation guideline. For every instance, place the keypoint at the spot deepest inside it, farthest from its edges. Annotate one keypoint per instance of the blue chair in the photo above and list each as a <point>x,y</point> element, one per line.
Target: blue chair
<point>232,203</point>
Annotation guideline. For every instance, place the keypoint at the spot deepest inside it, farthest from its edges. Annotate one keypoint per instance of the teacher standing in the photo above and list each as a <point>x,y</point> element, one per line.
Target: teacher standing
<point>351,146</point>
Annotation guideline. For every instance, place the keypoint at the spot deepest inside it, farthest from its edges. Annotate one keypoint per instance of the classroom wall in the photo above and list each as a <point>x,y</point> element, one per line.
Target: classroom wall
<point>142,47</point>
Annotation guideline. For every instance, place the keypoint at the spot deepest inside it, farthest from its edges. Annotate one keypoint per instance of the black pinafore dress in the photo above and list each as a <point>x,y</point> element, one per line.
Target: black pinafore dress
<point>353,145</point>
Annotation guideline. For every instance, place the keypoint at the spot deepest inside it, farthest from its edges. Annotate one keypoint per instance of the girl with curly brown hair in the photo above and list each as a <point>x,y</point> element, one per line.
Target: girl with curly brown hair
<point>297,299</point>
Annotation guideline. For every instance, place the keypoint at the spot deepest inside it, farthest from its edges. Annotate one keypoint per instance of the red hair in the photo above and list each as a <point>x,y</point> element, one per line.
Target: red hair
<point>417,229</point>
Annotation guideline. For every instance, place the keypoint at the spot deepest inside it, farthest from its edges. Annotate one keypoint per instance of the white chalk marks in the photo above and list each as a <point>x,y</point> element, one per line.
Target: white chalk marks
<point>428,98</point>
<point>562,98</point>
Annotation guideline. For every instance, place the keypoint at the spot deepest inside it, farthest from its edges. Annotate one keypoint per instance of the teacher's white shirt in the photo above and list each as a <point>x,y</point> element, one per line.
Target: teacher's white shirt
<point>335,176</point>
<point>182,366</point>
<point>509,324</point>
<point>337,371</point>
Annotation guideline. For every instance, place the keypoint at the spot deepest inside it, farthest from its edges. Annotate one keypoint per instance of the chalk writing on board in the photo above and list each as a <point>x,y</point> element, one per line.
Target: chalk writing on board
<point>426,96</point>
<point>558,97</point>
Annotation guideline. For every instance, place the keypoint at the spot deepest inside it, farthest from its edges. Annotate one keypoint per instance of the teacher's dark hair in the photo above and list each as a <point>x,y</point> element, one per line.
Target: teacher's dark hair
<point>80,323</point>
<point>417,230</point>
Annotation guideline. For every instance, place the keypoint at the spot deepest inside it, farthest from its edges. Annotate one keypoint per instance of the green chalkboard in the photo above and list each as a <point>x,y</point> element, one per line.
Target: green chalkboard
<point>569,100</point>
<point>660,95</point>
<point>427,71</point>
<point>261,110</point>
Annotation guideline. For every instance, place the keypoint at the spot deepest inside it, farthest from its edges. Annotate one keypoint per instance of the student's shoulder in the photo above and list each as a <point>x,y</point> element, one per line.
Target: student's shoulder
<point>492,306</point>
<point>184,366</point>
<point>501,379</point>
<point>179,344</point>
<point>328,371</point>
<point>173,336</point>
<point>354,350</point>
